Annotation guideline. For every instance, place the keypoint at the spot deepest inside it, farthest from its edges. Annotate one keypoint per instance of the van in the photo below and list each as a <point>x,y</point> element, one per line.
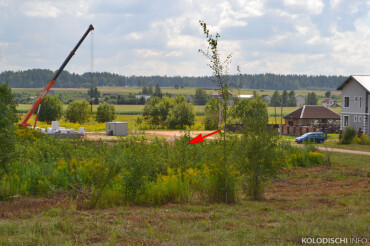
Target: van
<point>317,137</point>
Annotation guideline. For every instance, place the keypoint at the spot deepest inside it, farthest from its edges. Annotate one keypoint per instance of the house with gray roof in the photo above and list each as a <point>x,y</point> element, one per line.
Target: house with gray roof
<point>355,103</point>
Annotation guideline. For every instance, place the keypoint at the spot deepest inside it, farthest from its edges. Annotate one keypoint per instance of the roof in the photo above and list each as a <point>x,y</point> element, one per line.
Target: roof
<point>245,96</point>
<point>363,80</point>
<point>327,100</point>
<point>313,112</point>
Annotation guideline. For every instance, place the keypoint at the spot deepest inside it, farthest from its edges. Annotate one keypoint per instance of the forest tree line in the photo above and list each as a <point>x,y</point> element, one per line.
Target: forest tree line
<point>37,78</point>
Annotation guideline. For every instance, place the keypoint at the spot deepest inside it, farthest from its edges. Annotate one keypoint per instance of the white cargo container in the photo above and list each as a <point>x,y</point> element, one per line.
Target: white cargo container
<point>116,128</point>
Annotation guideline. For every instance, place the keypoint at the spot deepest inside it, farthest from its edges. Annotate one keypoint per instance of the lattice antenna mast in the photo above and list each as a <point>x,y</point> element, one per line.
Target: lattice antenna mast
<point>92,58</point>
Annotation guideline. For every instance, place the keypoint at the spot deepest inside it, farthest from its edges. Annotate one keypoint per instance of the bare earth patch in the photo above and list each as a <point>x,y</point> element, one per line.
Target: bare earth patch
<point>167,134</point>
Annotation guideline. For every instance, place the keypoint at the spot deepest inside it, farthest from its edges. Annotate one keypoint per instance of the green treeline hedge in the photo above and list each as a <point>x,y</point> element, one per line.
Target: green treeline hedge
<point>36,78</point>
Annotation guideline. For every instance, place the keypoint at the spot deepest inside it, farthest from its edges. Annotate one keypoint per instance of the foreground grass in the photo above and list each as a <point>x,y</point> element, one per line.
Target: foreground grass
<point>302,202</point>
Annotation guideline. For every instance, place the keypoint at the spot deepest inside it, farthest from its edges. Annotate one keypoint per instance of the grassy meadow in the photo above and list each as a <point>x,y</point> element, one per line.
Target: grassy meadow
<point>317,201</point>
<point>142,190</point>
<point>129,113</point>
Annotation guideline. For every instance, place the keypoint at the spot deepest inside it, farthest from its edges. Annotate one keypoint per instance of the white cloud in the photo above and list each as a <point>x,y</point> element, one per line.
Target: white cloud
<point>40,9</point>
<point>4,3</point>
<point>134,36</point>
<point>145,53</point>
<point>163,36</point>
<point>308,6</point>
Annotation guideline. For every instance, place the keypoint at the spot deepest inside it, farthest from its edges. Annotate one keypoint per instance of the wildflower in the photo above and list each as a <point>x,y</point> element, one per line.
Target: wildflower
<point>39,181</point>
<point>73,163</point>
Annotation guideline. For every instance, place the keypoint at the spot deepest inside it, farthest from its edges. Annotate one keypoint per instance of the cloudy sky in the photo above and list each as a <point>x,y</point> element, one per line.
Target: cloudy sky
<point>162,37</point>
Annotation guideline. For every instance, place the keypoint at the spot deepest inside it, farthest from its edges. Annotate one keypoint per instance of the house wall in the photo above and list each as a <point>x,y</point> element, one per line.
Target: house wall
<point>354,111</point>
<point>299,127</point>
<point>301,101</point>
<point>298,131</point>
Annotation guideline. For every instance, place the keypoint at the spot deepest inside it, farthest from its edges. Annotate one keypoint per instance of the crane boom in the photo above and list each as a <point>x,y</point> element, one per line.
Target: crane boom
<point>52,81</point>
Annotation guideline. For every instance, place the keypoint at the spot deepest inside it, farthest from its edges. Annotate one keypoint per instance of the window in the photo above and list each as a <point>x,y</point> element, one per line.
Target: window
<point>359,118</point>
<point>355,99</point>
<point>360,101</point>
<point>345,120</point>
<point>346,102</point>
<point>355,118</point>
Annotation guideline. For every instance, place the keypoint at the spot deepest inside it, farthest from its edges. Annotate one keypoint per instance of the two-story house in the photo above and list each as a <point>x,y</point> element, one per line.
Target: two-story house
<point>301,101</point>
<point>356,103</point>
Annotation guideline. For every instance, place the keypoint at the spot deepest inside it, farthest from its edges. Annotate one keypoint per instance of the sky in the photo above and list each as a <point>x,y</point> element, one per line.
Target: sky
<point>162,37</point>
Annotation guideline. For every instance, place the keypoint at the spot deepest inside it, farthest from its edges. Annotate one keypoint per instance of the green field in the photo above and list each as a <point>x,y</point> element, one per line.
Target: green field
<point>120,109</point>
<point>136,90</point>
<point>134,110</point>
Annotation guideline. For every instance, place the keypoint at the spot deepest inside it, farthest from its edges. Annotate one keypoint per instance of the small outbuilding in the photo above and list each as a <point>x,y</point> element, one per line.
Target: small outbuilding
<point>116,128</point>
<point>311,118</point>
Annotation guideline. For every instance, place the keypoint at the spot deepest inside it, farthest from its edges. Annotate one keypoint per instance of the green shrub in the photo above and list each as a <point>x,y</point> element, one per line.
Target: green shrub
<point>181,114</point>
<point>316,157</point>
<point>51,109</point>
<point>105,113</point>
<point>78,111</point>
<point>348,136</point>
<point>363,139</point>
<point>304,157</point>
<point>170,188</point>
<point>8,116</point>
<point>212,112</point>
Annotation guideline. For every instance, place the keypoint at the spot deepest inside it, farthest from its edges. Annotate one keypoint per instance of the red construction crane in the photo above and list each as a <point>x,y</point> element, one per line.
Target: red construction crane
<point>51,83</point>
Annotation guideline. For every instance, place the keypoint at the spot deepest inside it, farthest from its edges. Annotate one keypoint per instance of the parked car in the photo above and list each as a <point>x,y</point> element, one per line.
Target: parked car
<point>317,137</point>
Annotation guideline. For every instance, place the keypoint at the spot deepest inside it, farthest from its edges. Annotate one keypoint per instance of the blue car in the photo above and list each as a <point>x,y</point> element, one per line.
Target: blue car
<point>317,137</point>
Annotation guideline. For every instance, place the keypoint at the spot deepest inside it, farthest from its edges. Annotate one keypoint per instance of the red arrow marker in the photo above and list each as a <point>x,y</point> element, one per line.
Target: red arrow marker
<point>200,138</point>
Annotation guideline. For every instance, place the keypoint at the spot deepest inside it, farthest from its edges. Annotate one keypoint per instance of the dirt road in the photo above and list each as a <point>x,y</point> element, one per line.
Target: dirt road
<point>349,151</point>
<point>172,135</point>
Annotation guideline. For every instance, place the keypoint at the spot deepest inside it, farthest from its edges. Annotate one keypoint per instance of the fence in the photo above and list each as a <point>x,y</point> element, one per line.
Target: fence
<point>300,130</point>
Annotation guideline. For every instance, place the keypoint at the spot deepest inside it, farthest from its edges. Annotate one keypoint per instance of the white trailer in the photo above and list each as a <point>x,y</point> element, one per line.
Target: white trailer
<point>116,128</point>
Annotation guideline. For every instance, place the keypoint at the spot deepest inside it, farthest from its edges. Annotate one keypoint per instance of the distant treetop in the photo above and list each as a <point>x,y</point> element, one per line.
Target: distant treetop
<point>37,78</point>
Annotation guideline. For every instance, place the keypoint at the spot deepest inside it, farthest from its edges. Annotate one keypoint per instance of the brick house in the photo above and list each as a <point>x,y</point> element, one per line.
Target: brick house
<point>311,118</point>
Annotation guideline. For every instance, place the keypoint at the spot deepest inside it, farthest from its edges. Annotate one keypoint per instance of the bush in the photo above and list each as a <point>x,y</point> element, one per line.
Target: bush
<point>151,111</point>
<point>363,139</point>
<point>212,114</point>
<point>348,135</point>
<point>78,111</point>
<point>200,97</point>
<point>316,157</point>
<point>304,157</point>
<point>51,109</point>
<point>181,114</point>
<point>174,113</point>
<point>262,151</point>
<point>172,187</point>
<point>8,116</point>
<point>105,113</point>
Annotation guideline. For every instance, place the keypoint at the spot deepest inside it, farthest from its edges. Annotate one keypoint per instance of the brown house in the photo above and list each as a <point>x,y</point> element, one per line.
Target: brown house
<point>310,118</point>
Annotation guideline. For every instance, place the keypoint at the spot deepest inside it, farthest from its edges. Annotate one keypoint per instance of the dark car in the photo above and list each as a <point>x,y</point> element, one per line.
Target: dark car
<point>317,137</point>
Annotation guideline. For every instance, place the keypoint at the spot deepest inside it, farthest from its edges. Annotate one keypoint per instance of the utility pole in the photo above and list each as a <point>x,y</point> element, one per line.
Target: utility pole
<point>281,115</point>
